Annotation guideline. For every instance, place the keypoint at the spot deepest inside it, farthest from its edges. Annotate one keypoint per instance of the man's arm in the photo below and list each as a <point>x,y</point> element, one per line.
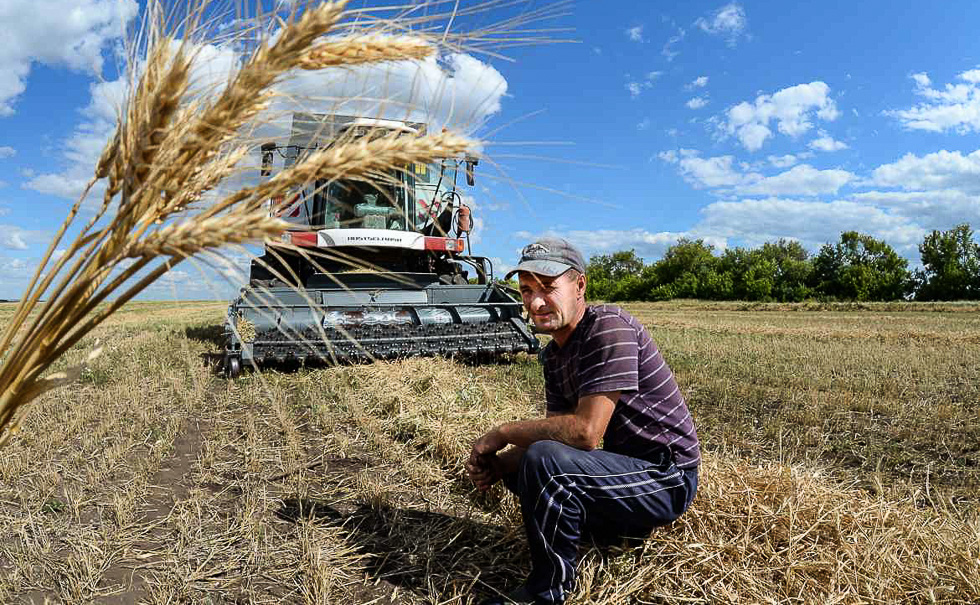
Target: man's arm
<point>582,428</point>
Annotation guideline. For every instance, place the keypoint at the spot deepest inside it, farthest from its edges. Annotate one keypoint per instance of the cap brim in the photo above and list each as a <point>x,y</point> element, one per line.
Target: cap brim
<point>548,268</point>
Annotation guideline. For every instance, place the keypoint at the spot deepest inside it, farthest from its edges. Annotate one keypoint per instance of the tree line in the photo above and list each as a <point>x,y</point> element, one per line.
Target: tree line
<point>858,267</point>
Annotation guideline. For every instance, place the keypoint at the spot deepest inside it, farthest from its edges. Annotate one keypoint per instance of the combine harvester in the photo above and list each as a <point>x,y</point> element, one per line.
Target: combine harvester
<point>370,270</point>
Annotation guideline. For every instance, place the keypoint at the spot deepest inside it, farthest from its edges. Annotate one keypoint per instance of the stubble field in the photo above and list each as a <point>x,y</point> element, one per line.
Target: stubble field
<point>842,464</point>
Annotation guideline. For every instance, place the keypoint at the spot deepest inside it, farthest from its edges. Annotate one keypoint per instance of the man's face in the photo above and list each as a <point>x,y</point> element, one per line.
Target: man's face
<point>552,302</point>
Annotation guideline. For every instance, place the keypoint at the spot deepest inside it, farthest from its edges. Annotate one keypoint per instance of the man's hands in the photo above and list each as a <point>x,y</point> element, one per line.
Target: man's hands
<point>582,428</point>
<point>483,465</point>
<point>484,471</point>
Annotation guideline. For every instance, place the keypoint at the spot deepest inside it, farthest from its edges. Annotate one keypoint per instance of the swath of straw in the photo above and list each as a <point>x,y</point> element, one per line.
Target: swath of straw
<point>167,153</point>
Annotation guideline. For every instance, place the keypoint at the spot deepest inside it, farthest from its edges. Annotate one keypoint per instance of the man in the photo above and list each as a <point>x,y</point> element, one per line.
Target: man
<point>605,380</point>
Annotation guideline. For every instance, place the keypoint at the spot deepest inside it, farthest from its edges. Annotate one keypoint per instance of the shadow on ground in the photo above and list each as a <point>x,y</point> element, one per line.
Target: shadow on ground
<point>433,555</point>
<point>211,334</point>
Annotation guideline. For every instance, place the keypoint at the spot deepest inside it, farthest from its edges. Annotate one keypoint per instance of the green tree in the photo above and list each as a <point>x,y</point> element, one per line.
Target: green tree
<point>860,267</point>
<point>608,272</point>
<point>950,265</point>
<point>687,270</point>
<point>775,271</point>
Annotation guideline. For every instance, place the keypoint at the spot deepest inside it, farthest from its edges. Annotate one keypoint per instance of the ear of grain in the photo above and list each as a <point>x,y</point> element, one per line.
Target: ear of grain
<point>161,168</point>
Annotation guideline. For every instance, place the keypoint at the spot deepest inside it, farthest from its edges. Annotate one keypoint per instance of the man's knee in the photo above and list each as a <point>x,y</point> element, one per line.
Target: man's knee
<point>547,455</point>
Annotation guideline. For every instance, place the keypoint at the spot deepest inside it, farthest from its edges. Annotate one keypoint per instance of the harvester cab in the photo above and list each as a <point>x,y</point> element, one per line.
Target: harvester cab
<point>370,269</point>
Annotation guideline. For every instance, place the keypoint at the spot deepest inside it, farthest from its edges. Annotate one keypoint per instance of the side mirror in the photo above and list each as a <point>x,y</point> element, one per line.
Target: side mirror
<point>471,162</point>
<point>267,155</point>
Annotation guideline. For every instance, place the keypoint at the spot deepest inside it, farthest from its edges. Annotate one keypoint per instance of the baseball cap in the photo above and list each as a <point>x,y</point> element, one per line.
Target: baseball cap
<point>549,256</point>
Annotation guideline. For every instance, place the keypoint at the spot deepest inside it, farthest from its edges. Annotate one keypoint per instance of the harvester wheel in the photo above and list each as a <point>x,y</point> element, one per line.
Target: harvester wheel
<point>233,367</point>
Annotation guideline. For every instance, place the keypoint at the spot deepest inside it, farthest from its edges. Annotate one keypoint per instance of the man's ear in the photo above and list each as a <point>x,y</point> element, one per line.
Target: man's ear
<point>581,284</point>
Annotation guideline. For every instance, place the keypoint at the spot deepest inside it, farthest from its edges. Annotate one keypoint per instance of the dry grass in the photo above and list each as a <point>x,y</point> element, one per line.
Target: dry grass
<point>172,148</point>
<point>886,398</point>
<point>159,481</point>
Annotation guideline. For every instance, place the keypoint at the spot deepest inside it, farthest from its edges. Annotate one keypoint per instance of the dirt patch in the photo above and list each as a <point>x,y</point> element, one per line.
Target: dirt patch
<point>169,485</point>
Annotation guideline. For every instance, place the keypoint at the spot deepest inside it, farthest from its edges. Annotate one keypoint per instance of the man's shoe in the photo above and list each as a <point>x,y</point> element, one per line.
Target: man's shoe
<point>517,597</point>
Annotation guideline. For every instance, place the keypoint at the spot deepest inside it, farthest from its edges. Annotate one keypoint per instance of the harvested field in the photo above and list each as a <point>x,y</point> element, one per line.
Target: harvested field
<point>842,465</point>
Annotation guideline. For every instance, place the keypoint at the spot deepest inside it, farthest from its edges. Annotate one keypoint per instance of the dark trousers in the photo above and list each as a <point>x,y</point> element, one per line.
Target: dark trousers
<point>567,493</point>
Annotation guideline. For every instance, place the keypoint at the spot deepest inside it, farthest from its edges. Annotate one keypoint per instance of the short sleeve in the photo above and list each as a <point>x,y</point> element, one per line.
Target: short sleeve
<point>554,378</point>
<point>609,357</point>
<point>555,402</point>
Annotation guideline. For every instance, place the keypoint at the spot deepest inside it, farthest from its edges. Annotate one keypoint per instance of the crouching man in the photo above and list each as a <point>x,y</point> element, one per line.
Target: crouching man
<point>605,380</point>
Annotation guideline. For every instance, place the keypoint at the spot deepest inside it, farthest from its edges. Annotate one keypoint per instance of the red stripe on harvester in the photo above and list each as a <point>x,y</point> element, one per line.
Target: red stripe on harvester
<point>303,238</point>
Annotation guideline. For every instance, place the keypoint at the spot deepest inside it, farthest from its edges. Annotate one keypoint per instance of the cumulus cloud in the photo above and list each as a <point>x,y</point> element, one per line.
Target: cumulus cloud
<point>699,82</point>
<point>697,103</point>
<point>782,161</point>
<point>668,50</point>
<point>921,80</point>
<point>636,87</point>
<point>729,21</point>
<point>940,170</point>
<point>635,34</point>
<point>714,172</point>
<point>825,142</point>
<point>811,222</point>
<point>932,209</point>
<point>13,237</point>
<point>7,152</point>
<point>721,173</point>
<point>647,244</point>
<point>84,146</point>
<point>955,107</point>
<point>69,33</point>
<point>792,110</point>
<point>454,90</point>
<point>801,179</point>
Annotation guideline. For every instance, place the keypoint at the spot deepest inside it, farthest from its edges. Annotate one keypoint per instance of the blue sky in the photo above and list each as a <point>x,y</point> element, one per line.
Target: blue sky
<point>736,122</point>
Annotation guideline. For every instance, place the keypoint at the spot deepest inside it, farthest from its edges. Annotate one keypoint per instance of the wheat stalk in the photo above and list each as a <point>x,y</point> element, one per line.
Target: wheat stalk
<point>365,49</point>
<point>161,170</point>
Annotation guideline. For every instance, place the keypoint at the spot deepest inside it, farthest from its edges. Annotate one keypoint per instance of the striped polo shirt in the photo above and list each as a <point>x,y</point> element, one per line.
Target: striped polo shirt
<point>609,350</point>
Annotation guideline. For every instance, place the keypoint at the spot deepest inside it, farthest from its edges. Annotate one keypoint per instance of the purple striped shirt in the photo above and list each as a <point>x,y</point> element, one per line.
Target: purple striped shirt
<point>609,350</point>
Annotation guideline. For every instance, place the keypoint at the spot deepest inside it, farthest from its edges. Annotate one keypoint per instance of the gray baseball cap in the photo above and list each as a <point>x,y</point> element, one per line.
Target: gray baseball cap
<point>549,256</point>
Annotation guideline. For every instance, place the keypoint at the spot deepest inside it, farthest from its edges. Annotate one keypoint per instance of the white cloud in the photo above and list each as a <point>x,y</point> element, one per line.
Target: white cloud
<point>699,82</point>
<point>932,209</point>
<point>668,50</point>
<point>956,107</point>
<point>714,172</point>
<point>940,170</point>
<point>721,173</point>
<point>635,87</point>
<point>811,222</point>
<point>647,244</point>
<point>635,34</point>
<point>825,142</point>
<point>802,179</point>
<point>70,33</point>
<point>697,103</point>
<point>729,21</point>
<point>921,80</point>
<point>793,110</point>
<point>782,161</point>
<point>7,152</point>
<point>643,124</point>
<point>17,238</point>
<point>456,90</point>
